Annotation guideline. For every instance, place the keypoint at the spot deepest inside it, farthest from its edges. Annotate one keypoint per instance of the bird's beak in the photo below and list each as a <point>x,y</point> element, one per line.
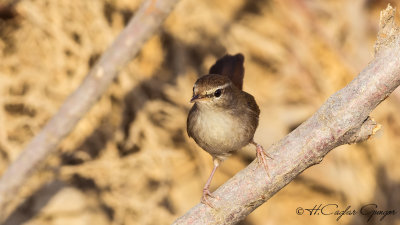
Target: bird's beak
<point>194,98</point>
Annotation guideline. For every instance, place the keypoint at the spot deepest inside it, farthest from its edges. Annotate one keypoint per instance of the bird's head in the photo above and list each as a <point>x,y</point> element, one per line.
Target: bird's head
<point>213,90</point>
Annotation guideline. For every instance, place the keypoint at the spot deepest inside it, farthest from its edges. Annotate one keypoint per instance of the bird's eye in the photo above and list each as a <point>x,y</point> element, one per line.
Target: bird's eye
<point>217,93</point>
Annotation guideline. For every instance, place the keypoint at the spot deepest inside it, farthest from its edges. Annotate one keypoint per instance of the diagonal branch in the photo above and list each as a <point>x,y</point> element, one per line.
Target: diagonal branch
<point>342,119</point>
<point>145,23</point>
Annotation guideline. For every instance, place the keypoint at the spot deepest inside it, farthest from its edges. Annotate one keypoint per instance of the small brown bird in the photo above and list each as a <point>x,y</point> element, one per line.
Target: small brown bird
<point>223,118</point>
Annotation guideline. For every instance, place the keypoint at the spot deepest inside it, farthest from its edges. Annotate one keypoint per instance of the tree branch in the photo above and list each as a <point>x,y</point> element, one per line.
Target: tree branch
<point>145,22</point>
<point>342,119</point>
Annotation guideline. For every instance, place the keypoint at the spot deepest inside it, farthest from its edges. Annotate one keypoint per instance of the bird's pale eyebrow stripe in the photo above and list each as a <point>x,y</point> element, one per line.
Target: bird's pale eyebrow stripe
<point>223,86</point>
<point>219,87</point>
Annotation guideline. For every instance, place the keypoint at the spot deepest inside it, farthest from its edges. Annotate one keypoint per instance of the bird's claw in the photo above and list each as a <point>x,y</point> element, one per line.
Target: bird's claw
<point>262,157</point>
<point>205,197</point>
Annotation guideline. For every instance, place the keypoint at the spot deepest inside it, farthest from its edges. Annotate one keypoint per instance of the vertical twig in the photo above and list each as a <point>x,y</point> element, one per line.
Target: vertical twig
<point>145,22</point>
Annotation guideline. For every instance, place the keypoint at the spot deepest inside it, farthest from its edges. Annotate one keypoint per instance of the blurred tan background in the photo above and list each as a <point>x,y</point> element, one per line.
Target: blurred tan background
<point>130,161</point>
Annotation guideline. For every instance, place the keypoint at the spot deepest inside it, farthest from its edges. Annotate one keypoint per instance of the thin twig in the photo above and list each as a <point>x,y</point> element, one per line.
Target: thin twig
<point>342,119</point>
<point>146,22</point>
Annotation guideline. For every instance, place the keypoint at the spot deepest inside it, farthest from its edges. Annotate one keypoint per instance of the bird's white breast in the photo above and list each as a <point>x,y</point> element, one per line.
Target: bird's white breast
<point>217,125</point>
<point>218,132</point>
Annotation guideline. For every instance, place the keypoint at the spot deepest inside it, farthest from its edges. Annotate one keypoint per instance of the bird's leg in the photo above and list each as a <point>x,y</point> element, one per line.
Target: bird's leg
<point>261,156</point>
<point>206,189</point>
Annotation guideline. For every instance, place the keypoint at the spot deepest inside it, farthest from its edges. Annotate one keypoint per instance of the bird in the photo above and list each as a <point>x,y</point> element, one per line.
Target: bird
<point>223,118</point>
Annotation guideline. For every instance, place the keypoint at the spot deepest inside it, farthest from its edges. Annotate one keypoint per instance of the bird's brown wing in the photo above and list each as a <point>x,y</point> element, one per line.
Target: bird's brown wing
<point>251,103</point>
<point>252,109</point>
<point>231,66</point>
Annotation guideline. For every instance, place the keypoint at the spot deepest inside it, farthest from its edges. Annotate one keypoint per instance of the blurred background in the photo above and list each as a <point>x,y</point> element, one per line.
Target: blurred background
<point>130,161</point>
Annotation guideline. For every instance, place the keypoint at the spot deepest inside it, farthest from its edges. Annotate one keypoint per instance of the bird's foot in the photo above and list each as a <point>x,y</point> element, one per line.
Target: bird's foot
<point>262,157</point>
<point>205,197</point>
